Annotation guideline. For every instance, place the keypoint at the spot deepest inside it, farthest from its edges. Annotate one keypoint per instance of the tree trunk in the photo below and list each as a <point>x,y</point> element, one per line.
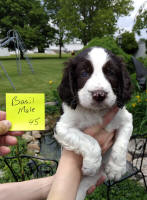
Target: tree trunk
<point>21,55</point>
<point>60,51</point>
<point>60,47</point>
<point>40,49</point>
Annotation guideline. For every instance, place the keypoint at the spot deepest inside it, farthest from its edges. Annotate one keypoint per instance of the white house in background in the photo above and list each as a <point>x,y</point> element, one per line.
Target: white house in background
<point>4,52</point>
<point>53,49</point>
<point>75,46</point>
<point>141,52</point>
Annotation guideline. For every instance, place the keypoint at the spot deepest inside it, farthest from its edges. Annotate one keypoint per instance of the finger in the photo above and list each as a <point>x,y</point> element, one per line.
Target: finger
<point>97,128</point>
<point>15,133</point>
<point>4,126</point>
<point>91,189</point>
<point>2,115</point>
<point>8,140</point>
<point>101,180</point>
<point>93,130</point>
<point>107,146</point>
<point>109,116</point>
<point>104,136</point>
<point>4,150</point>
<point>111,136</point>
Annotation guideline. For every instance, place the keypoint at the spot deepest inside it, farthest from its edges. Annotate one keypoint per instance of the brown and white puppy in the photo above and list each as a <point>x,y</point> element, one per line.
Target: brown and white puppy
<point>93,82</point>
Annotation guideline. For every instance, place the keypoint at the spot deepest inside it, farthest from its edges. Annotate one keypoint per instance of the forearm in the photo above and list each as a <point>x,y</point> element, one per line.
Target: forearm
<point>36,189</point>
<point>67,178</point>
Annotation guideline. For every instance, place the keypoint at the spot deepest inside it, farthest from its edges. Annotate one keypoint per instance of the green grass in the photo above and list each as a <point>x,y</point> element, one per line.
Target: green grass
<point>46,68</point>
<point>37,56</point>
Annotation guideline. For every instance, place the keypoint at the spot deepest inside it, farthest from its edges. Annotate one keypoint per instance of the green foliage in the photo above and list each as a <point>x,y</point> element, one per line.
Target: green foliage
<point>141,19</point>
<point>129,44</point>
<point>88,19</point>
<point>52,109</point>
<point>138,107</point>
<point>110,44</point>
<point>126,190</point>
<point>135,86</point>
<point>18,165</point>
<point>53,9</point>
<point>145,62</point>
<point>55,109</point>
<point>29,19</point>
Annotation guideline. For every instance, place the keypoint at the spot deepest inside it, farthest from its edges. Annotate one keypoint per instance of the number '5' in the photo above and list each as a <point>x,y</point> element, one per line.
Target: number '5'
<point>36,121</point>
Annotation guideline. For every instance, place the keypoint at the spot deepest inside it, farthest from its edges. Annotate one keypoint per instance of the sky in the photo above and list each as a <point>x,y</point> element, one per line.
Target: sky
<point>127,22</point>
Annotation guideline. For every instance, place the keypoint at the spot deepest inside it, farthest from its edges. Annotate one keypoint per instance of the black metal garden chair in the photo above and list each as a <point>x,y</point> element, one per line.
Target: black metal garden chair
<point>137,153</point>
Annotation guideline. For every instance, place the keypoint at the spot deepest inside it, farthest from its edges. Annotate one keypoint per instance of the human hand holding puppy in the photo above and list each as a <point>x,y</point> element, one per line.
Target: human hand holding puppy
<point>68,175</point>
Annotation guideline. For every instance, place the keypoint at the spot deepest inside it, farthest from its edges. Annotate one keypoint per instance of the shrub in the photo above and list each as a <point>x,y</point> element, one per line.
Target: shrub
<point>52,95</point>
<point>145,62</point>
<point>135,85</point>
<point>110,44</point>
<point>138,107</point>
<point>129,44</point>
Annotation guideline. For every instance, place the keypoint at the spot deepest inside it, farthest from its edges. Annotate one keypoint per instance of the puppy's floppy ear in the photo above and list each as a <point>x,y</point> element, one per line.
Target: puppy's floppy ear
<point>124,87</point>
<point>68,87</point>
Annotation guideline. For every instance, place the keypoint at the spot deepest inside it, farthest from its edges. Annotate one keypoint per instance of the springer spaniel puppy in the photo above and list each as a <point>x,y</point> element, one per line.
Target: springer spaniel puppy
<point>93,82</point>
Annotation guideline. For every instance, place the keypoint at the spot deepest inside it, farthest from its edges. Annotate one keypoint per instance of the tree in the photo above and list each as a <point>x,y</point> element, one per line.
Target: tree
<point>92,18</point>
<point>29,19</point>
<point>53,8</point>
<point>141,19</point>
<point>129,44</point>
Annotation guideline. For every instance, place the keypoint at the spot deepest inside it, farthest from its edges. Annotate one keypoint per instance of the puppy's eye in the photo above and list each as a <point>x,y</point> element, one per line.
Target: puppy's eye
<point>109,72</point>
<point>84,74</point>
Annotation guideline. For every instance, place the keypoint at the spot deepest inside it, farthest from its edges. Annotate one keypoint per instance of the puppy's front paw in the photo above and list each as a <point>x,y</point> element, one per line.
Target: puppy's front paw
<point>114,171</point>
<point>91,166</point>
<point>92,159</point>
<point>116,165</point>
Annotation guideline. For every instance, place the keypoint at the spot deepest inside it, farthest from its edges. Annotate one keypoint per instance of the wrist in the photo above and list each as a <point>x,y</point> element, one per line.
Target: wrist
<point>72,158</point>
<point>67,177</point>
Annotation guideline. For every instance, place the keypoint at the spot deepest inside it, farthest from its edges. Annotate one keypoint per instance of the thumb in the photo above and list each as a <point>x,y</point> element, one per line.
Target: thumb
<point>4,126</point>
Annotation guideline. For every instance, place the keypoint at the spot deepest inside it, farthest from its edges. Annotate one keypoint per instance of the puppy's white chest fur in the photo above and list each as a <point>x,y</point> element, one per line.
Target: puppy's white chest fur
<point>82,118</point>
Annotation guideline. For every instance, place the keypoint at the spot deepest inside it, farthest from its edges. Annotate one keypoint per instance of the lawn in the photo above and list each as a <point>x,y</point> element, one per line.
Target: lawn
<point>46,69</point>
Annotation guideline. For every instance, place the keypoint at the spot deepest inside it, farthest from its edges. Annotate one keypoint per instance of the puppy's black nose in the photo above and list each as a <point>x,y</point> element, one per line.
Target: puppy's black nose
<point>99,95</point>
